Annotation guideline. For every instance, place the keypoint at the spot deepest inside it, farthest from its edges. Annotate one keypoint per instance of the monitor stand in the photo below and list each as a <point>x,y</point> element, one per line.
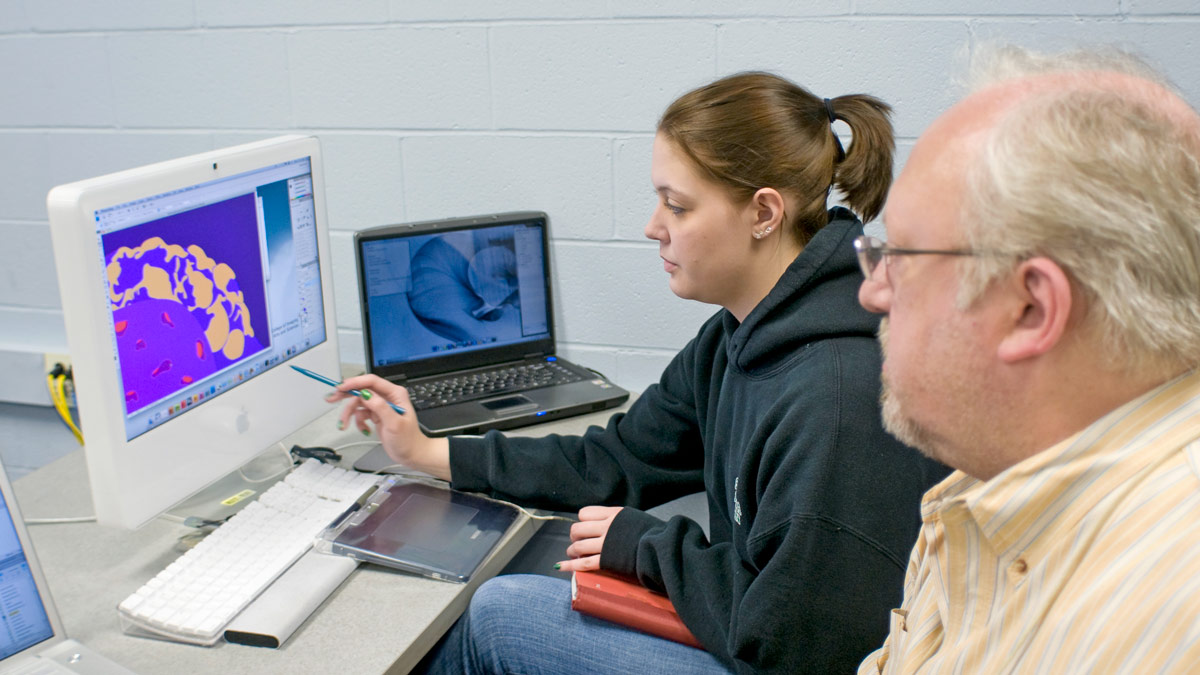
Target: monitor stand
<point>229,494</point>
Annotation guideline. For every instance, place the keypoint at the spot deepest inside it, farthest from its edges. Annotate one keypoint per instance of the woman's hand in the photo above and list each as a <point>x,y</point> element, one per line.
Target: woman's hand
<point>587,538</point>
<point>401,436</point>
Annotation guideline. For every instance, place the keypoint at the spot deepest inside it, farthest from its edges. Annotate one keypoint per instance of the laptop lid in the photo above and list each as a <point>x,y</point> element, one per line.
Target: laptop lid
<point>32,639</point>
<point>447,295</point>
<point>29,620</point>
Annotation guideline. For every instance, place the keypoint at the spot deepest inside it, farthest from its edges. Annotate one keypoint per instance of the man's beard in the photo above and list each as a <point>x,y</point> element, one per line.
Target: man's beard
<point>895,421</point>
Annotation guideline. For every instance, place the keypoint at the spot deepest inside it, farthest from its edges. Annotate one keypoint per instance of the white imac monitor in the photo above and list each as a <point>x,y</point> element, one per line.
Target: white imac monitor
<point>187,288</point>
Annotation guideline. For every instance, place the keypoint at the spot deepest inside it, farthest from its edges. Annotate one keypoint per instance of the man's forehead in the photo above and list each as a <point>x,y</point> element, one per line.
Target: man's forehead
<point>930,187</point>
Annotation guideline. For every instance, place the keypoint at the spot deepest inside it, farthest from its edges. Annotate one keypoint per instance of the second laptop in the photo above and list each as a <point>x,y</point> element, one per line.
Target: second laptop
<point>460,312</point>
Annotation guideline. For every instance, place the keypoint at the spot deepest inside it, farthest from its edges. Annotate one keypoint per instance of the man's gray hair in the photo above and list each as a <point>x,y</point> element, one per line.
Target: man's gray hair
<point>1102,175</point>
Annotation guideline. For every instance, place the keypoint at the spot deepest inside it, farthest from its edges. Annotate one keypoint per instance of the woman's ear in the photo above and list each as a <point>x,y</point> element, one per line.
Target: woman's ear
<point>766,211</point>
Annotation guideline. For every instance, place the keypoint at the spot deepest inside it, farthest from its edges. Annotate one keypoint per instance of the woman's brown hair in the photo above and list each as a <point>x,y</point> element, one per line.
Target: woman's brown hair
<point>754,130</point>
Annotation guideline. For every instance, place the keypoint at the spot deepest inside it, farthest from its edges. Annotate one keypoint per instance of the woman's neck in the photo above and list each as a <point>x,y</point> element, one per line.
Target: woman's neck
<point>766,272</point>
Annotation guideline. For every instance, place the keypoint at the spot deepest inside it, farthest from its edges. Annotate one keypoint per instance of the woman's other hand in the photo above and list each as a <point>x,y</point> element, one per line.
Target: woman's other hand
<point>587,538</point>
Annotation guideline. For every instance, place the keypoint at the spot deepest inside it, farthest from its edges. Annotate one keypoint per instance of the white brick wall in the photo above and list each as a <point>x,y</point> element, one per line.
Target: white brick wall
<point>55,81</point>
<point>390,78</point>
<point>569,177</point>
<point>429,108</point>
<point>201,79</point>
<point>596,76</point>
<point>214,13</point>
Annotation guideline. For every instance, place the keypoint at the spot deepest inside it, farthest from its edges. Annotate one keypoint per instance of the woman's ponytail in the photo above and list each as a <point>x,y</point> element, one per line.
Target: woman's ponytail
<point>865,173</point>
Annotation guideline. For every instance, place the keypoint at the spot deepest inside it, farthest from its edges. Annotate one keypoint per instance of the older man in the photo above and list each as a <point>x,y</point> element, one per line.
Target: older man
<point>1041,281</point>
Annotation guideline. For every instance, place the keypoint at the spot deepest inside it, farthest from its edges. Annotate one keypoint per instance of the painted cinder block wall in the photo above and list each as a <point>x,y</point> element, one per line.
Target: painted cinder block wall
<point>440,108</point>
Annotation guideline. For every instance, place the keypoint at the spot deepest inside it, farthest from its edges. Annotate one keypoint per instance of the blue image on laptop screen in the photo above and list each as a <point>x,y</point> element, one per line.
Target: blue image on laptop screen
<point>435,294</point>
<point>23,618</point>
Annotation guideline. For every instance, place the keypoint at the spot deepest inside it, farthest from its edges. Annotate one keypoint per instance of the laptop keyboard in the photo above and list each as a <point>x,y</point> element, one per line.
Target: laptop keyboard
<point>486,383</point>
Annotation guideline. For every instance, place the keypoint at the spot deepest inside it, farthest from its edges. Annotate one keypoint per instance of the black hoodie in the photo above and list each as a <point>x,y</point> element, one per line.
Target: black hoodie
<point>813,508</point>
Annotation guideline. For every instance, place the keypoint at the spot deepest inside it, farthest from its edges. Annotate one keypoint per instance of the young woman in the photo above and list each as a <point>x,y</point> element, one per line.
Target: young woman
<point>772,409</point>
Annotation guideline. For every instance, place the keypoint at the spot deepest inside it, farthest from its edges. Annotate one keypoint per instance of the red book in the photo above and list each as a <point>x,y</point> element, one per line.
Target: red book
<point>609,597</point>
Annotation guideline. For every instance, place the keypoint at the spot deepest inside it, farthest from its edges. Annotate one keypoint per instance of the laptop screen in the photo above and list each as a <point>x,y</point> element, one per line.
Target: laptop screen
<point>442,293</point>
<point>23,618</point>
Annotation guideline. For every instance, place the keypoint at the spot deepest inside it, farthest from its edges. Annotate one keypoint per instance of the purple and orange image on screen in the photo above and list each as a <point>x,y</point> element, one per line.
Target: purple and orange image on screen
<point>188,297</point>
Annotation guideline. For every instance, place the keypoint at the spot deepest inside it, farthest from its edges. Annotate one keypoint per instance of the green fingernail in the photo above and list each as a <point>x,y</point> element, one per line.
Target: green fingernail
<point>341,425</point>
<point>558,566</point>
<point>366,432</point>
<point>366,395</point>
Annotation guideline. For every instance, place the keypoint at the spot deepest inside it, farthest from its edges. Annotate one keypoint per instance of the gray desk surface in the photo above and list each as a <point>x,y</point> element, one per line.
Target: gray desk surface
<point>378,621</point>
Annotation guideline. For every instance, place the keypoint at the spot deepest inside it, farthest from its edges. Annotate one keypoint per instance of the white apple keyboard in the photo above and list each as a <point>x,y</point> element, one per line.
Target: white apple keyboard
<point>227,585</point>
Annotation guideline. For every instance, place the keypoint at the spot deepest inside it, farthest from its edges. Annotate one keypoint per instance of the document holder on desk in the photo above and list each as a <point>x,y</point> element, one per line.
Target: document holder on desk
<point>419,528</point>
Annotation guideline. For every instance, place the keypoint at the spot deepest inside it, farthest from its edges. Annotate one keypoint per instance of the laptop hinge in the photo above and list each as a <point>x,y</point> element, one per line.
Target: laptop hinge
<point>535,355</point>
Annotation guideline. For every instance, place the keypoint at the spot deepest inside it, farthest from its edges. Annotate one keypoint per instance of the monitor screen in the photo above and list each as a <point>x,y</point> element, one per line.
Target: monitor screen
<point>185,286</point>
<point>209,286</point>
<point>439,293</point>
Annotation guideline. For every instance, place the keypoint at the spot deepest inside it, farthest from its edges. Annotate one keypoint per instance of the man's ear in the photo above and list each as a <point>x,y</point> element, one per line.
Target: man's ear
<point>1044,298</point>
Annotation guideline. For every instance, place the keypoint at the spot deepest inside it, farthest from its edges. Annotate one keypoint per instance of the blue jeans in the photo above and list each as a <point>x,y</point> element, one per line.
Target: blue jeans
<point>523,624</point>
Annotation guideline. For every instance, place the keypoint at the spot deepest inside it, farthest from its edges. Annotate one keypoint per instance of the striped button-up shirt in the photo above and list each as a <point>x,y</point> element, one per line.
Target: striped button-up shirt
<point>1082,558</point>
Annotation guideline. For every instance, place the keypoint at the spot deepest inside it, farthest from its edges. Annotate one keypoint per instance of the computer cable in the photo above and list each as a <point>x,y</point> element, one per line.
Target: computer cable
<point>600,374</point>
<point>57,521</point>
<point>202,528</point>
<point>56,381</point>
<point>529,514</point>
<point>351,445</point>
<point>321,454</point>
<point>273,476</point>
<point>57,384</point>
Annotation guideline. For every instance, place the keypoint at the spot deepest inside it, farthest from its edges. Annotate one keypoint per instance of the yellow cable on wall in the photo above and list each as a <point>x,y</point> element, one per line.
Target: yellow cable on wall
<point>57,386</point>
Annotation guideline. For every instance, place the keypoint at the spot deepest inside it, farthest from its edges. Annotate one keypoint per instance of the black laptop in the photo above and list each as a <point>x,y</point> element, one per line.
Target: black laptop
<point>460,312</point>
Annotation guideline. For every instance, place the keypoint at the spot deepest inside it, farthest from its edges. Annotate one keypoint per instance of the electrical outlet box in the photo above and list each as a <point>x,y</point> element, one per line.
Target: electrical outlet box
<point>52,359</point>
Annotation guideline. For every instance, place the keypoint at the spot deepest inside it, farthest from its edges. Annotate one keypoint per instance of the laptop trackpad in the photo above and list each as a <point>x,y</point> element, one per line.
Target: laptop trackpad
<point>508,404</point>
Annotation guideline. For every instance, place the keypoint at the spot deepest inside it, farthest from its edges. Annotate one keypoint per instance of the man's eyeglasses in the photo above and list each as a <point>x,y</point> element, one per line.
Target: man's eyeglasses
<point>872,251</point>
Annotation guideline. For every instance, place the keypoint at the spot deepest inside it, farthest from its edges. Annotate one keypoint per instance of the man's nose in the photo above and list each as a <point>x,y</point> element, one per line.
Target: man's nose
<point>875,295</point>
